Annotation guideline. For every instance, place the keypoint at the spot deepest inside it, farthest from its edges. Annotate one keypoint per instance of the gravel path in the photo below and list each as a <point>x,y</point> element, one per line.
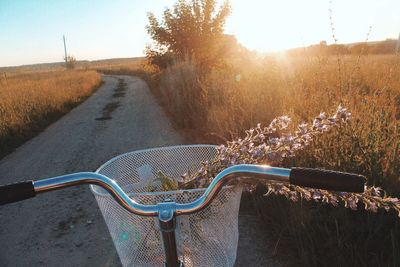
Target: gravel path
<point>65,228</point>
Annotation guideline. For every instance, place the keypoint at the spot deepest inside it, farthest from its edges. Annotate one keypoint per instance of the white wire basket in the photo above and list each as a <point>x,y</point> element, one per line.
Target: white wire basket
<point>206,238</point>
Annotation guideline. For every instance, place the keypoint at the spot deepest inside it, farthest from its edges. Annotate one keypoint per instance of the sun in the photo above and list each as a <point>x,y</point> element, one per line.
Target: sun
<point>279,25</point>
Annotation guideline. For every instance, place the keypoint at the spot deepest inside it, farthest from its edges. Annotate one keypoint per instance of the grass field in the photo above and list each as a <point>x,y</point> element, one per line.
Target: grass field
<point>233,99</point>
<point>30,102</point>
<point>221,104</point>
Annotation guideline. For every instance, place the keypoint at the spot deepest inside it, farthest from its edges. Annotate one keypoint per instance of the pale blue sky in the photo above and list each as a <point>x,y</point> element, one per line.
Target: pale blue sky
<point>31,31</point>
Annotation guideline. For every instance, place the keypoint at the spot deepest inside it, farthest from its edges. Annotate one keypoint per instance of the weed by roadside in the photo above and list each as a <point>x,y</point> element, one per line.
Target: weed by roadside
<point>30,102</point>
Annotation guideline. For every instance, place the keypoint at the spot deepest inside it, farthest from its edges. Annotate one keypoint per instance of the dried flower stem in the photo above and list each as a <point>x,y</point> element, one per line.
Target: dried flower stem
<point>271,145</point>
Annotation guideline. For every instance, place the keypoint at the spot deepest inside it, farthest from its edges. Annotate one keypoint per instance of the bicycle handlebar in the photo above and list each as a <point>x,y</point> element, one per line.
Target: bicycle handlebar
<point>314,178</point>
<point>16,192</point>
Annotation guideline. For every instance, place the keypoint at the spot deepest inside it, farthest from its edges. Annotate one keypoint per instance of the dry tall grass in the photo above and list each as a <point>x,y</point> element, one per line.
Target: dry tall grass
<point>119,66</point>
<point>248,90</point>
<point>230,100</point>
<point>29,102</point>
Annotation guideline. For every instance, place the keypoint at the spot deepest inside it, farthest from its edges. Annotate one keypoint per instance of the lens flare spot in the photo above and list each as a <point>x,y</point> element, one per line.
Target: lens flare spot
<point>124,236</point>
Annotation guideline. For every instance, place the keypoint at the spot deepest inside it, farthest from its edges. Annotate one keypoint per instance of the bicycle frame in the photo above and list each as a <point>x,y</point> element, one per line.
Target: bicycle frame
<point>168,210</point>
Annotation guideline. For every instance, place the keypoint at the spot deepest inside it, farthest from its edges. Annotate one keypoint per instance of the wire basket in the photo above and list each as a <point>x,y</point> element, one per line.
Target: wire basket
<point>206,238</point>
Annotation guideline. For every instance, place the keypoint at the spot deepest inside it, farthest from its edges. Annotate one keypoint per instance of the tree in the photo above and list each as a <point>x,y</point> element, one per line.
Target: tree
<point>190,30</point>
<point>70,62</point>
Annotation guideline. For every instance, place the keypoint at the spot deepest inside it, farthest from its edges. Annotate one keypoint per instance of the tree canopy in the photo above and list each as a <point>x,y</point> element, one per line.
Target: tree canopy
<point>189,30</point>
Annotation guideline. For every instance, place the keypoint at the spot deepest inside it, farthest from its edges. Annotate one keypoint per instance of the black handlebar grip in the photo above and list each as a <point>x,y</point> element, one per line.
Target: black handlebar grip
<point>328,180</point>
<point>16,192</point>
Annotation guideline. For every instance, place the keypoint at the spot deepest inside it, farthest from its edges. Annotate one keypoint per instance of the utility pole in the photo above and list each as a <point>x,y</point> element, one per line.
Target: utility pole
<point>398,45</point>
<point>65,51</point>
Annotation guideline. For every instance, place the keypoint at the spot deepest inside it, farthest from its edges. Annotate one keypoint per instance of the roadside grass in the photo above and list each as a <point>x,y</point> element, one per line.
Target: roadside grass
<point>133,67</point>
<point>30,102</point>
<point>315,234</point>
<point>225,102</point>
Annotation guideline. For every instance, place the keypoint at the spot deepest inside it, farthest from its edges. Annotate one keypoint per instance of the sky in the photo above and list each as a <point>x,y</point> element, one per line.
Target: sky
<point>32,30</point>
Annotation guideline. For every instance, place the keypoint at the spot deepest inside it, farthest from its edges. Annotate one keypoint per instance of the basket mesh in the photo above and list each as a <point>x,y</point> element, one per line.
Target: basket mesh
<point>206,238</point>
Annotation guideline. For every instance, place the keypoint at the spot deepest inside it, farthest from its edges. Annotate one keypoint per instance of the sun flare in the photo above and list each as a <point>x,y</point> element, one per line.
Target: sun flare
<point>279,25</point>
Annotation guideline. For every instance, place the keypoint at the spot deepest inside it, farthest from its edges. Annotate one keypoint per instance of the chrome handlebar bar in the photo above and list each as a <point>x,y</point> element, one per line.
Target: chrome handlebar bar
<point>314,178</point>
<point>260,172</point>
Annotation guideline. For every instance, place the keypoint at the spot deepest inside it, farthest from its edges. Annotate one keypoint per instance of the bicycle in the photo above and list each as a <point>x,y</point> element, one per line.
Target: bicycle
<point>178,228</point>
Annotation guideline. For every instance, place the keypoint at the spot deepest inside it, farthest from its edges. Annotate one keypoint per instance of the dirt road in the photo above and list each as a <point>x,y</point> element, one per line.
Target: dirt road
<point>65,228</point>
